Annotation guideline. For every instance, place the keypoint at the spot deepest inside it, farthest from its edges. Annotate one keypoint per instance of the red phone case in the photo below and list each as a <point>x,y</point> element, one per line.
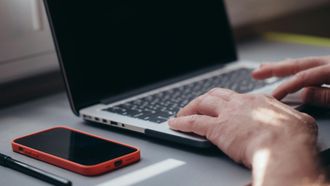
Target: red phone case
<point>89,170</point>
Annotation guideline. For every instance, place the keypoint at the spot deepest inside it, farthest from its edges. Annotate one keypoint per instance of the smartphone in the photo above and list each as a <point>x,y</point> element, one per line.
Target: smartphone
<point>76,151</point>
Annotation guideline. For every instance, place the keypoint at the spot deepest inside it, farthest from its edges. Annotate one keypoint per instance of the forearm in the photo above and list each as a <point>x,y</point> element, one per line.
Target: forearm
<point>289,163</point>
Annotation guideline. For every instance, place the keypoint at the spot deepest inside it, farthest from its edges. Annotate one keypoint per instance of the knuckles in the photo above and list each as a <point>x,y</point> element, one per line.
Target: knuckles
<point>199,100</point>
<point>212,91</point>
<point>301,76</point>
<point>309,119</point>
<point>310,123</point>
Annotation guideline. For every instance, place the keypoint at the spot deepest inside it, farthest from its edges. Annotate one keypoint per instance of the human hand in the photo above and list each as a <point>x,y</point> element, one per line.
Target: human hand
<point>242,124</point>
<point>309,74</point>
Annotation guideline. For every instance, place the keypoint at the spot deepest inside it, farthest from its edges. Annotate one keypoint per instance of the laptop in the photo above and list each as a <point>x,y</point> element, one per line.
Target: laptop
<point>133,64</point>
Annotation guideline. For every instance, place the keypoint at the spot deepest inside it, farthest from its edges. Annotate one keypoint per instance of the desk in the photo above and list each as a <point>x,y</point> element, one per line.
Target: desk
<point>200,166</point>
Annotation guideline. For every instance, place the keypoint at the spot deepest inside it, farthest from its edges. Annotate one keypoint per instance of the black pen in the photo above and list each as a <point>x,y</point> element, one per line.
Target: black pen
<point>9,162</point>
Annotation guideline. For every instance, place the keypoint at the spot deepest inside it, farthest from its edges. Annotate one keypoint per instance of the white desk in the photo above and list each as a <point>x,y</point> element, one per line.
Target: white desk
<point>200,167</point>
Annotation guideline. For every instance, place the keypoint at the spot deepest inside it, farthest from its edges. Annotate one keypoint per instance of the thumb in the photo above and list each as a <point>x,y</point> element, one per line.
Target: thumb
<point>317,96</point>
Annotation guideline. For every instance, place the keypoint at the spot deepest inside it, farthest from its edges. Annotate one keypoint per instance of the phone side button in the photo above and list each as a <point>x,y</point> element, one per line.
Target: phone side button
<point>118,163</point>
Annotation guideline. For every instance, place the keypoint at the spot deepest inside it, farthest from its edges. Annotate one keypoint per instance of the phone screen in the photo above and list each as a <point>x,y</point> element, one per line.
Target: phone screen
<point>74,146</point>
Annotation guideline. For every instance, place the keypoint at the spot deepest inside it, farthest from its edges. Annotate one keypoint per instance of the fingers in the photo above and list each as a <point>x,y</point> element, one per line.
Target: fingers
<point>205,104</point>
<point>317,96</point>
<point>208,104</point>
<point>198,124</point>
<point>288,67</point>
<point>312,77</point>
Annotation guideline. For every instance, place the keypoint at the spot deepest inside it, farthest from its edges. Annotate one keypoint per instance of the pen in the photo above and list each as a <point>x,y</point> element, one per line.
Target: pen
<point>11,163</point>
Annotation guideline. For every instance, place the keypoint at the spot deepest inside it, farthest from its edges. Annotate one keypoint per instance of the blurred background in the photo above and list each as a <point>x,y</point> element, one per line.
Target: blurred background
<point>28,63</point>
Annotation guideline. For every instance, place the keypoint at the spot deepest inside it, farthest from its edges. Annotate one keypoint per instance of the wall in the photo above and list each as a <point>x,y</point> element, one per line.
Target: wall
<point>244,12</point>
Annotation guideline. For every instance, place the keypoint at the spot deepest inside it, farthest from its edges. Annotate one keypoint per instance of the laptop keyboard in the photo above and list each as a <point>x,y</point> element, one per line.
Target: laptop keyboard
<point>159,107</point>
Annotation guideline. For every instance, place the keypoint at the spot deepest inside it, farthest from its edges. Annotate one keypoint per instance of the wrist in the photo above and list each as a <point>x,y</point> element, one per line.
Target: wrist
<point>287,161</point>
<point>277,139</point>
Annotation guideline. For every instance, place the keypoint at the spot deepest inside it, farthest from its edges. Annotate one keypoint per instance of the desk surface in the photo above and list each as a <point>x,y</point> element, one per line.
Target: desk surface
<point>198,167</point>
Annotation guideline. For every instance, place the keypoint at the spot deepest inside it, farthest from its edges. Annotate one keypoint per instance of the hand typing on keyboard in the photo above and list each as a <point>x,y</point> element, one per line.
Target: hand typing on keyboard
<point>256,130</point>
<point>276,141</point>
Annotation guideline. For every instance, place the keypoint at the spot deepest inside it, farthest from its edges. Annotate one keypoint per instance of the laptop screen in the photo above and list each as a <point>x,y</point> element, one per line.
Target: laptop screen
<point>110,47</point>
